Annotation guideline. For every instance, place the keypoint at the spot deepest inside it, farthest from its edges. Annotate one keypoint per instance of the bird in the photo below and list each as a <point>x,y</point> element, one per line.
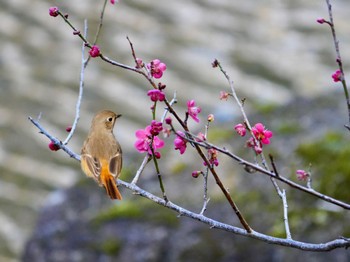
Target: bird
<point>101,154</point>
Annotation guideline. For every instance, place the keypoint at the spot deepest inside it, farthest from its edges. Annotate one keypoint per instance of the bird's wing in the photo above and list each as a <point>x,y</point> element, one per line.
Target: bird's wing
<point>115,164</point>
<point>91,167</point>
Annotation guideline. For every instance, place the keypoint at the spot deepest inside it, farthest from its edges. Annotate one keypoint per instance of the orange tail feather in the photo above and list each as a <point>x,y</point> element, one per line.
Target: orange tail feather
<point>109,184</point>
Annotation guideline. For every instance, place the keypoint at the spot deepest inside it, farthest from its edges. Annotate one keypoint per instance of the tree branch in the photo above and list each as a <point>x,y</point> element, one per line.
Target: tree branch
<point>285,180</point>
<point>337,243</point>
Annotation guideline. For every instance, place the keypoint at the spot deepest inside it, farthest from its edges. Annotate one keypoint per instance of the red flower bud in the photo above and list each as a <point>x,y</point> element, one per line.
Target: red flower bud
<point>95,51</point>
<point>53,11</point>
<point>53,146</point>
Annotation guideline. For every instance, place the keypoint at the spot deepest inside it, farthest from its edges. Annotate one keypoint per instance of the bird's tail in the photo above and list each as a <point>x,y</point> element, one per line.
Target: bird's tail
<point>109,183</point>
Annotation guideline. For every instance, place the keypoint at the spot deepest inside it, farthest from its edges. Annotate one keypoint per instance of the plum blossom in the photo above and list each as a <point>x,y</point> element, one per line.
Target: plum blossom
<point>302,175</point>
<point>200,137</point>
<point>156,127</point>
<point>224,95</point>
<point>157,68</point>
<point>144,139</point>
<point>261,134</point>
<point>240,129</point>
<point>337,76</point>
<point>180,142</point>
<point>257,147</point>
<point>156,95</point>
<point>193,110</point>
<point>139,63</point>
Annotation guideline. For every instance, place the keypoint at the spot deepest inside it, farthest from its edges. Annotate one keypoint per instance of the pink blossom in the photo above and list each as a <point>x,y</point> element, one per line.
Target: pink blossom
<point>53,146</point>
<point>156,95</point>
<point>337,76</point>
<point>68,128</point>
<point>113,1</point>
<point>258,149</point>
<point>157,68</point>
<point>156,127</point>
<point>240,129</point>
<point>53,11</point>
<point>200,137</point>
<point>143,142</point>
<point>193,110</point>
<point>302,175</point>
<point>321,20</point>
<point>261,134</point>
<point>252,144</point>
<point>224,95</point>
<point>213,157</point>
<point>180,142</point>
<point>95,51</point>
<point>139,63</point>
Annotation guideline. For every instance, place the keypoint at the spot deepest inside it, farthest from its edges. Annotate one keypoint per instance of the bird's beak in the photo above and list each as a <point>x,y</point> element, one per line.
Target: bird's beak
<point>119,116</point>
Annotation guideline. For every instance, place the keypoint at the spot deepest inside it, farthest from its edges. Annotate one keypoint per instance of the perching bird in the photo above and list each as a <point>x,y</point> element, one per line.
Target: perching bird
<point>101,155</point>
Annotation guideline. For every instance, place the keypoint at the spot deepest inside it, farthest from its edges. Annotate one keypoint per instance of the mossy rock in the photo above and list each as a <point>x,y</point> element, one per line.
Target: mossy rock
<point>137,209</point>
<point>329,157</point>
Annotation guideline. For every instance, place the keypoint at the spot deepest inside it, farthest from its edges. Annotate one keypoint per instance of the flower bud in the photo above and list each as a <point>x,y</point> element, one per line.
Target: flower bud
<point>95,51</point>
<point>53,146</point>
<point>168,120</point>
<point>196,173</point>
<point>53,11</point>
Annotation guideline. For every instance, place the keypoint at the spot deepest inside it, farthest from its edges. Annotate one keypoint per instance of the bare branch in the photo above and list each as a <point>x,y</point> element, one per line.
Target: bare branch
<point>84,64</point>
<point>339,59</point>
<point>54,139</point>
<point>337,243</point>
<point>205,192</point>
<point>141,168</point>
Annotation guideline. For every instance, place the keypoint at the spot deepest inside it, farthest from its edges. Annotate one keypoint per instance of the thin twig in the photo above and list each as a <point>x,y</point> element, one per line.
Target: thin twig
<point>98,31</point>
<point>141,168</point>
<point>283,196</point>
<point>155,161</point>
<point>172,102</point>
<point>132,50</point>
<point>54,139</point>
<point>240,104</point>
<point>84,64</point>
<point>339,59</point>
<point>273,165</point>
<point>205,192</point>
<point>285,214</point>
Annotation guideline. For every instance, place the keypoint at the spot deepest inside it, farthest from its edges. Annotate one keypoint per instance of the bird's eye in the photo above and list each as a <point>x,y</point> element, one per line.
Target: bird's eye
<point>110,119</point>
